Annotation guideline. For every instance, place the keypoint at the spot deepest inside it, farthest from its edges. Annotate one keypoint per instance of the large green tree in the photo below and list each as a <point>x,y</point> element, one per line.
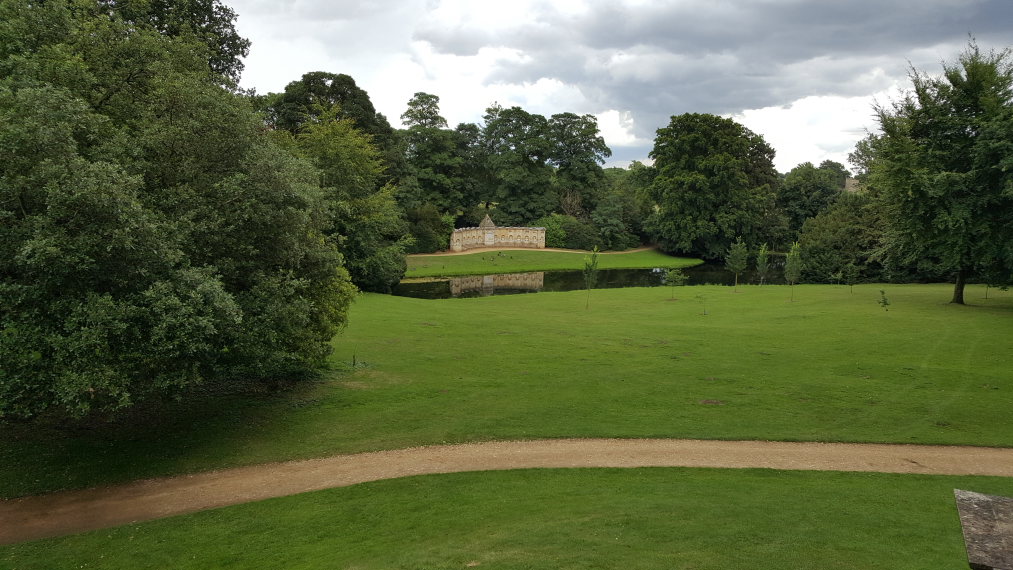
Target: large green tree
<point>366,221</point>
<point>518,146</point>
<point>152,238</point>
<point>944,168</point>
<point>808,190</point>
<point>209,21</point>
<point>848,233</point>
<point>578,151</point>
<point>434,159</point>
<point>320,92</point>
<point>715,180</point>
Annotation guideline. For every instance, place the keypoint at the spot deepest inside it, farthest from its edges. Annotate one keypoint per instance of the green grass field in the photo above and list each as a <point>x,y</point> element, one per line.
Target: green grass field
<point>831,366</point>
<point>650,518</point>
<point>516,261</point>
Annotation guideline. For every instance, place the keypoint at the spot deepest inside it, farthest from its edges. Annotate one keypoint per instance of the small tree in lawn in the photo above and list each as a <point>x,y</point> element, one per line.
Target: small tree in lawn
<point>675,278</point>
<point>736,259</point>
<point>590,273</point>
<point>763,263</point>
<point>851,276</point>
<point>793,268</point>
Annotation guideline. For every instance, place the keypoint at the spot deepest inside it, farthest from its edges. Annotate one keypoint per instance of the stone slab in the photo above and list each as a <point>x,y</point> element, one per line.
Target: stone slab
<point>987,523</point>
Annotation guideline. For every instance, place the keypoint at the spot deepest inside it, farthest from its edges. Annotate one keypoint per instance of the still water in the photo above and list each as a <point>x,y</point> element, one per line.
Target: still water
<point>515,283</point>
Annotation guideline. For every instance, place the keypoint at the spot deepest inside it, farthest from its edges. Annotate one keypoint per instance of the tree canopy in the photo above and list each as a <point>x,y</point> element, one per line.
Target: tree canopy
<point>807,190</point>
<point>154,238</point>
<point>715,181</point>
<point>944,168</point>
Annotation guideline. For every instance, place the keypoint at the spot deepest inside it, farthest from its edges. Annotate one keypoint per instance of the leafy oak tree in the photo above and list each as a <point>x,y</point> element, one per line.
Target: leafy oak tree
<point>435,163</point>
<point>944,168</point>
<point>518,146</point>
<point>715,180</point>
<point>578,151</point>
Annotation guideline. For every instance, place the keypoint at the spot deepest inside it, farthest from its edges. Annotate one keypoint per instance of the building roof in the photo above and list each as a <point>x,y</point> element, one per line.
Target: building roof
<point>487,222</point>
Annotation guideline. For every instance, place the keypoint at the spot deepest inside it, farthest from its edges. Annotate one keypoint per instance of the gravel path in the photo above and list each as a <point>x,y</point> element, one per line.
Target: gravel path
<point>77,511</point>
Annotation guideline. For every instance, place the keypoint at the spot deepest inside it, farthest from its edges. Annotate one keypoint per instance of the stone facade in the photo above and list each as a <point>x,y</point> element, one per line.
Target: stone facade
<point>488,234</point>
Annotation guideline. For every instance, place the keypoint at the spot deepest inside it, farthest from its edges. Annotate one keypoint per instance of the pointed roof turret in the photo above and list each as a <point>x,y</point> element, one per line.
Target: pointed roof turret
<point>487,222</point>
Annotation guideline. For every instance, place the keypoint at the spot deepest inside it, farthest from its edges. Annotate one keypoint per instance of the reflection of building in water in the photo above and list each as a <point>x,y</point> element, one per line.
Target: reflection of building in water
<point>488,284</point>
<point>488,235</point>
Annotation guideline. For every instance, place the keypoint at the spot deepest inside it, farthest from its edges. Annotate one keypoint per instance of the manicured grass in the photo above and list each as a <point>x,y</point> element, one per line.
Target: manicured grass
<point>557,519</point>
<point>831,366</point>
<point>517,261</point>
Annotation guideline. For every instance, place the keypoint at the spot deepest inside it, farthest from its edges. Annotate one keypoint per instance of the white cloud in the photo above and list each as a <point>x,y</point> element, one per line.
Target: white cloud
<point>617,128</point>
<point>814,129</point>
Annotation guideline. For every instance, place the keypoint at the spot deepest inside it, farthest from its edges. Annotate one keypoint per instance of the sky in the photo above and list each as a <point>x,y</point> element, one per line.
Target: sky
<point>804,74</point>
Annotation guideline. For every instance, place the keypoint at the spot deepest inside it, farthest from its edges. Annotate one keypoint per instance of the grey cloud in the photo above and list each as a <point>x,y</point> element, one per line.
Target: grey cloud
<point>726,57</point>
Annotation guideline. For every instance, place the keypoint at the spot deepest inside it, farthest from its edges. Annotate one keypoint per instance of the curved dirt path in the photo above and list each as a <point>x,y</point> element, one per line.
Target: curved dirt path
<point>77,511</point>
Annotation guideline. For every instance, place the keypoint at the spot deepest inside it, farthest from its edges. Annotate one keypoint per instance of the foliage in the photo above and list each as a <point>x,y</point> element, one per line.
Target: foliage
<point>863,156</point>
<point>366,222</point>
<point>209,21</point>
<point>763,263</point>
<point>555,235</point>
<point>578,150</point>
<point>807,190</point>
<point>336,96</point>
<point>429,229</point>
<point>848,233</point>
<point>851,276</point>
<point>579,234</point>
<point>630,187</point>
<point>518,147</point>
<point>424,112</point>
<point>437,158</point>
<point>715,180</point>
<point>737,259</point>
<point>610,219</point>
<point>590,273</point>
<point>793,267</point>
<point>157,239</point>
<point>675,278</point>
<point>942,166</point>
<point>883,301</point>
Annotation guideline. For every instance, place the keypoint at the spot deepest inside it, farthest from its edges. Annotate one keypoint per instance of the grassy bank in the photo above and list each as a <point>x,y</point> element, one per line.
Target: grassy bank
<point>831,366</point>
<point>556,519</point>
<point>518,261</point>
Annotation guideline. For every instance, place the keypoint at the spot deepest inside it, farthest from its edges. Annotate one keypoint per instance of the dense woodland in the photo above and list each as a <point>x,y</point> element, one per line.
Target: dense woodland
<point>161,229</point>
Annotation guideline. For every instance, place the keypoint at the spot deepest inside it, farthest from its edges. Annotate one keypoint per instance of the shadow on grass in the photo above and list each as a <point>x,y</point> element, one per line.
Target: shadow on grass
<point>150,440</point>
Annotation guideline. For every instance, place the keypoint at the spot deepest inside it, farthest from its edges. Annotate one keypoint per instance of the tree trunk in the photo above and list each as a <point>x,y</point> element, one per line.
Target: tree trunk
<point>958,287</point>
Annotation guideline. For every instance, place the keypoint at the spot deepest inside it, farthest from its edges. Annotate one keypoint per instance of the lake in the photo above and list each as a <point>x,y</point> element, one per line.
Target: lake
<point>534,282</point>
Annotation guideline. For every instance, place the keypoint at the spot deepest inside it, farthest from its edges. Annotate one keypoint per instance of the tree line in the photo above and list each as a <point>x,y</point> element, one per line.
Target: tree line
<point>164,232</point>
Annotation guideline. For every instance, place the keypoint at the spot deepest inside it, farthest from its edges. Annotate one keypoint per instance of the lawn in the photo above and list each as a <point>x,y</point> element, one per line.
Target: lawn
<point>831,366</point>
<point>517,261</point>
<point>663,518</point>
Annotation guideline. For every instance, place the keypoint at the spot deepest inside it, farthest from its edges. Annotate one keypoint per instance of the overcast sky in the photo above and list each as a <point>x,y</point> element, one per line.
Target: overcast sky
<point>804,74</point>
